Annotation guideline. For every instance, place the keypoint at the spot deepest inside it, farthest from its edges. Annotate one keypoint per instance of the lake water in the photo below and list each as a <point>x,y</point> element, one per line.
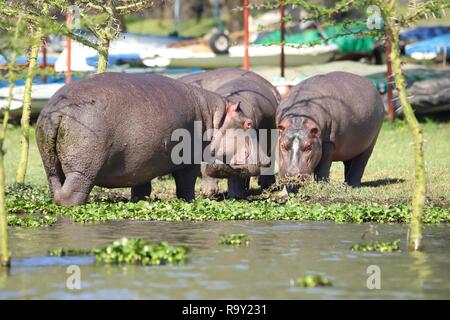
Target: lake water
<point>278,251</point>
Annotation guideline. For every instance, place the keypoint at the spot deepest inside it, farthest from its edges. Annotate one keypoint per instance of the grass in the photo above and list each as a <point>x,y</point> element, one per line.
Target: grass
<point>388,178</point>
<point>383,198</point>
<point>187,28</point>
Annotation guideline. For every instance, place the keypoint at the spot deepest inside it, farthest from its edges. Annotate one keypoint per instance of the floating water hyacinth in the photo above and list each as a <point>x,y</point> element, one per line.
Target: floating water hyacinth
<point>377,246</point>
<point>311,281</point>
<point>137,251</point>
<point>133,251</point>
<point>237,239</point>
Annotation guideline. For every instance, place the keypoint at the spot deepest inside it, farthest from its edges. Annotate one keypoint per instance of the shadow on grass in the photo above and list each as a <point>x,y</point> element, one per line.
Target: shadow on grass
<point>382,182</point>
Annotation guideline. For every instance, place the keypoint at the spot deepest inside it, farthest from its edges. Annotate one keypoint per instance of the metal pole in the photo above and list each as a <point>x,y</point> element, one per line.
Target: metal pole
<point>176,17</point>
<point>69,51</point>
<point>282,27</point>
<point>218,16</point>
<point>246,56</point>
<point>389,78</point>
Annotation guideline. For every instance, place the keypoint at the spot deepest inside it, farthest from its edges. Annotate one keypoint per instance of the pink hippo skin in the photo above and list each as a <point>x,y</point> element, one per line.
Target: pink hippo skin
<point>114,130</point>
<point>326,118</point>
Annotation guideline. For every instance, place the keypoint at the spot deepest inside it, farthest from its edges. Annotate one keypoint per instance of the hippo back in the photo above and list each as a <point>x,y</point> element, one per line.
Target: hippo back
<point>258,97</point>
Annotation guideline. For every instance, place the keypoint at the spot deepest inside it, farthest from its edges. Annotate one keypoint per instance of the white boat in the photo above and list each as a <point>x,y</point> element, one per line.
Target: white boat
<point>127,48</point>
<point>40,94</point>
<point>259,56</point>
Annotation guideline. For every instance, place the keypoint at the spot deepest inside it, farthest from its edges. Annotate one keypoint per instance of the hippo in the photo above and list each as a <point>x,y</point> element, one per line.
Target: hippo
<point>325,118</point>
<point>258,100</point>
<point>115,130</point>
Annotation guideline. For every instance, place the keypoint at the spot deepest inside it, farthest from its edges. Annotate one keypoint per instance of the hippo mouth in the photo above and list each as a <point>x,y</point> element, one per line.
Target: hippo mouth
<point>218,169</point>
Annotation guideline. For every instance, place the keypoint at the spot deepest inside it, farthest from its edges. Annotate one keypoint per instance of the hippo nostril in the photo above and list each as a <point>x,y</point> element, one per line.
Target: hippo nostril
<point>213,152</point>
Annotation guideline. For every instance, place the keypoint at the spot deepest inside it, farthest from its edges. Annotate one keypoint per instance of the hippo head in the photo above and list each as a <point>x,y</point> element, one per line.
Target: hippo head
<point>300,146</point>
<point>234,144</point>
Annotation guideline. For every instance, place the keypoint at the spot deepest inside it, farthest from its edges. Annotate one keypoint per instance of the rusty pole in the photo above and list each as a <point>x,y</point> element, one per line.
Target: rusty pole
<point>246,65</point>
<point>69,51</point>
<point>282,29</point>
<point>389,78</point>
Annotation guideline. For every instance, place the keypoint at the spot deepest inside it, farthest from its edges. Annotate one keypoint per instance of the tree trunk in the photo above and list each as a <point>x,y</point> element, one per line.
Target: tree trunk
<point>103,56</point>
<point>26,109</point>
<point>418,198</point>
<point>5,255</point>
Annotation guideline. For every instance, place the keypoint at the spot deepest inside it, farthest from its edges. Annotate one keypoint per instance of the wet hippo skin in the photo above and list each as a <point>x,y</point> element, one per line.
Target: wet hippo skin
<point>114,130</point>
<point>258,100</point>
<point>326,118</point>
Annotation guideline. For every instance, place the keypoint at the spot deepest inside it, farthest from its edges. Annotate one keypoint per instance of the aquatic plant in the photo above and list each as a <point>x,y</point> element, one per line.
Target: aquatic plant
<point>32,206</point>
<point>377,246</point>
<point>311,281</point>
<point>140,252</point>
<point>236,239</point>
<point>130,251</point>
<point>31,221</point>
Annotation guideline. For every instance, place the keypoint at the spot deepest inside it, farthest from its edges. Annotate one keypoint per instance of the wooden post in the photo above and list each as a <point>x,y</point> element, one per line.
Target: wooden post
<point>389,78</point>
<point>282,30</point>
<point>69,51</point>
<point>246,65</point>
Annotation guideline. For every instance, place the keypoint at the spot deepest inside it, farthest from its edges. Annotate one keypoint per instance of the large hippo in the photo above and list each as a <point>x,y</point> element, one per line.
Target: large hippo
<point>331,117</point>
<point>115,130</point>
<point>258,100</point>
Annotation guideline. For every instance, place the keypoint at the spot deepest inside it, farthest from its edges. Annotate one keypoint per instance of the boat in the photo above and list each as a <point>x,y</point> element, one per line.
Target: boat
<point>352,44</point>
<point>423,33</point>
<point>259,56</point>
<point>128,48</point>
<point>40,94</point>
<point>429,49</point>
<point>428,96</point>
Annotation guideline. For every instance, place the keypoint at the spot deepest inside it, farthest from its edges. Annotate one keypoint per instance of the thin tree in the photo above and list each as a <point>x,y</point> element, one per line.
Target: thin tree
<point>5,254</point>
<point>107,24</point>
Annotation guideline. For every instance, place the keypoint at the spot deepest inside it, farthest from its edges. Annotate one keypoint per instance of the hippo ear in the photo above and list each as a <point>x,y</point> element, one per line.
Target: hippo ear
<point>233,106</point>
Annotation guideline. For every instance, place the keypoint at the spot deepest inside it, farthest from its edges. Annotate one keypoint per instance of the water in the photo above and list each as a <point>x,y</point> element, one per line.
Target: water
<point>278,252</point>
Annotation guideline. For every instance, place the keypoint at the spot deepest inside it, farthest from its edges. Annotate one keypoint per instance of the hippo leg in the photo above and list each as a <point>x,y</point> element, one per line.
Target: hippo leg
<point>347,165</point>
<point>322,171</point>
<point>210,186</point>
<point>356,170</point>
<point>237,187</point>
<point>185,182</point>
<point>141,191</point>
<point>75,190</point>
<point>266,181</point>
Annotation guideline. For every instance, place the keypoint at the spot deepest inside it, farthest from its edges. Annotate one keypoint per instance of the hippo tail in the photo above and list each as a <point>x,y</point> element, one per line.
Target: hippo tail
<point>46,137</point>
